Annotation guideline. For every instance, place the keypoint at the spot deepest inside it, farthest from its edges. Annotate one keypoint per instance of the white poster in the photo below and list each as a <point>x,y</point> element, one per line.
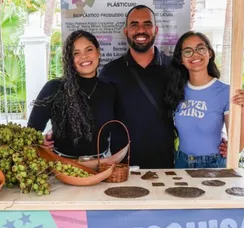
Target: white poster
<point>106,20</point>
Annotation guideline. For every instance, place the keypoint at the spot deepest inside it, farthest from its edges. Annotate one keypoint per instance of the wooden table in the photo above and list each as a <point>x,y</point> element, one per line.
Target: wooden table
<point>158,203</point>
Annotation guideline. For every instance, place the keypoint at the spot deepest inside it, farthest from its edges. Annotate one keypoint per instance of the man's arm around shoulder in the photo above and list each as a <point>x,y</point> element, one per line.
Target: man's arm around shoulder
<point>111,69</point>
<point>105,74</point>
<point>166,60</point>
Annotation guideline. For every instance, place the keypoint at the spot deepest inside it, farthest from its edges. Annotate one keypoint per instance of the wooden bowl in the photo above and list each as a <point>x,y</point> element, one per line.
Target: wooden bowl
<point>96,178</point>
<point>46,153</point>
<point>84,181</point>
<point>114,159</point>
<point>2,179</point>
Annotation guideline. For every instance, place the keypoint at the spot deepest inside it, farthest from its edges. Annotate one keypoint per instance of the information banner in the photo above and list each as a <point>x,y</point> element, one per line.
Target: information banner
<point>106,20</point>
<point>225,218</point>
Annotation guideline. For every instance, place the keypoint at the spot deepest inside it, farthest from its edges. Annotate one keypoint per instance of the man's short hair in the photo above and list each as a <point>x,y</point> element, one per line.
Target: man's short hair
<point>139,7</point>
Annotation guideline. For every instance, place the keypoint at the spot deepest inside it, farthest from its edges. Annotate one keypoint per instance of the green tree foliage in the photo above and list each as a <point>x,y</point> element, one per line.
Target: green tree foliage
<point>55,65</point>
<point>12,24</point>
<point>14,73</point>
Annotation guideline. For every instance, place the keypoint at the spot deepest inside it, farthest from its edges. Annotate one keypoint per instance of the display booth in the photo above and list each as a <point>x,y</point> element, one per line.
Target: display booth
<point>89,207</point>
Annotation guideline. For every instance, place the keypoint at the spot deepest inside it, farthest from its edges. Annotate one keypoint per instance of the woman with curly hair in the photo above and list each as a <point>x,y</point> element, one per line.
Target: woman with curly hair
<point>200,103</point>
<point>78,103</point>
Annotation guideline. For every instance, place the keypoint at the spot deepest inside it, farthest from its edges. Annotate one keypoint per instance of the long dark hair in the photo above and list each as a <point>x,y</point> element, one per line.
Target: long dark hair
<point>179,74</point>
<point>75,120</point>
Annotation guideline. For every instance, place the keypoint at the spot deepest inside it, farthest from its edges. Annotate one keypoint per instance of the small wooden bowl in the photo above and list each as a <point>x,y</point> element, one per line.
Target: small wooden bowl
<point>84,181</point>
<point>46,153</point>
<point>2,179</point>
<point>114,159</point>
<point>96,178</point>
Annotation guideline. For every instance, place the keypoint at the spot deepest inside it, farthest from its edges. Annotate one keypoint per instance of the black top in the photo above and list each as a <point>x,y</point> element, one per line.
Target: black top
<point>152,144</point>
<point>102,108</point>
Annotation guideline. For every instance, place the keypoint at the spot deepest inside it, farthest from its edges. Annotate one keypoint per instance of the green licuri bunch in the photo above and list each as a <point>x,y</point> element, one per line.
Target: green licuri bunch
<point>68,169</point>
<point>19,160</point>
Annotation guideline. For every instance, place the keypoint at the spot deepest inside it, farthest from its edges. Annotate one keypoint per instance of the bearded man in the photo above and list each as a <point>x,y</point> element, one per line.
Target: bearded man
<point>140,79</point>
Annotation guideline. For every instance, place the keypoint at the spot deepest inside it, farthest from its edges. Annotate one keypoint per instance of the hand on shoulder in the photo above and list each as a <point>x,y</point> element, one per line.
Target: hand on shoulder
<point>223,147</point>
<point>238,98</point>
<point>48,142</point>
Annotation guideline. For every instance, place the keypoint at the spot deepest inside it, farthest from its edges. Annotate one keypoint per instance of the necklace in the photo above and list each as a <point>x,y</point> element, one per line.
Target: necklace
<point>89,96</point>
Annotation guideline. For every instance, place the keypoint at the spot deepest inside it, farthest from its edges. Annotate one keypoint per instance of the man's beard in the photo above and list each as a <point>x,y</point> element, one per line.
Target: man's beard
<point>141,47</point>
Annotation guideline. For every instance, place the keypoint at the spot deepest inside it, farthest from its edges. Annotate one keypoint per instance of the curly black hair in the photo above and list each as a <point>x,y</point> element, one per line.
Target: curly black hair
<point>75,120</point>
<point>179,75</point>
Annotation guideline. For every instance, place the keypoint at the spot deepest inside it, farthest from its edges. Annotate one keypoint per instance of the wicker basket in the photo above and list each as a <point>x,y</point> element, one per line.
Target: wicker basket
<point>120,171</point>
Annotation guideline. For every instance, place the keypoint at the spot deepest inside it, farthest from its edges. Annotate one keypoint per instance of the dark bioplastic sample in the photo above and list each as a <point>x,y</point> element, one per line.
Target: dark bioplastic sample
<point>149,175</point>
<point>135,173</point>
<point>176,178</point>
<point>213,173</point>
<point>214,183</point>
<point>127,192</point>
<point>157,184</point>
<point>181,183</point>
<point>185,192</point>
<point>170,173</point>
<point>235,191</point>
